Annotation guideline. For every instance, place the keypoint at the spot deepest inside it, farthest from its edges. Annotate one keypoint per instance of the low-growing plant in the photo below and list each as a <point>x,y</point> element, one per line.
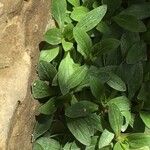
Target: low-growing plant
<point>94,77</point>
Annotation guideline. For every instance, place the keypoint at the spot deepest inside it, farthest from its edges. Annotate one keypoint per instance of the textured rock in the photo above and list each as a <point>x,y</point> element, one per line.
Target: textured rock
<point>22,24</point>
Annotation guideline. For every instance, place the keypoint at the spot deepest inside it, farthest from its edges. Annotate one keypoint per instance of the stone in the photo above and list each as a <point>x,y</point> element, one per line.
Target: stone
<point>22,24</point>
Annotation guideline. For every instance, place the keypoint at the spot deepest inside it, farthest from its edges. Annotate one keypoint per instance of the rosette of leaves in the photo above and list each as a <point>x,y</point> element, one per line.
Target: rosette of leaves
<point>94,77</point>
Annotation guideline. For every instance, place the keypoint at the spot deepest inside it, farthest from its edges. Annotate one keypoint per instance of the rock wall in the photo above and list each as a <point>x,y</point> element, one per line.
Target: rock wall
<point>22,24</point>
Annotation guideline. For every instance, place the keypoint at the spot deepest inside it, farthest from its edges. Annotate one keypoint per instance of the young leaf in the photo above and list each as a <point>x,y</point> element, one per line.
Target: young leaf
<point>105,46</point>
<point>59,9</point>
<point>48,108</point>
<point>49,55</point>
<point>79,12</point>
<point>48,144</point>
<point>121,102</point>
<point>130,23</point>
<point>77,77</point>
<point>105,139</point>
<point>68,31</point>
<point>53,36</point>
<point>65,70</point>
<point>41,90</point>
<point>138,140</point>
<point>75,3</point>
<point>92,18</point>
<point>140,11</point>
<point>116,83</point>
<point>145,116</point>
<point>138,52</point>
<point>42,127</point>
<point>46,71</point>
<point>67,45</point>
<point>115,118</point>
<point>81,130</point>
<point>81,109</point>
<point>84,42</point>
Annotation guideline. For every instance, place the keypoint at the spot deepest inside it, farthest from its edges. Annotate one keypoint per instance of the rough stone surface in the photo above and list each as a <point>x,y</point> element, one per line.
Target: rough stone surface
<point>22,24</point>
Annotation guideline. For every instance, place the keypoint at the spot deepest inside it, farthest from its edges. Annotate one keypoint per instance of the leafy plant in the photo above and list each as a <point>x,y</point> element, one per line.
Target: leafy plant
<point>94,77</point>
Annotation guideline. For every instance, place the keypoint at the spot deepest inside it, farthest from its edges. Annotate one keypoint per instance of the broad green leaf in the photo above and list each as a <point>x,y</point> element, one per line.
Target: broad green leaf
<point>105,139</point>
<point>96,86</point>
<point>140,11</point>
<point>77,77</point>
<point>121,146</point>
<point>81,109</point>
<point>92,18</point>
<point>48,143</point>
<point>121,102</point>
<point>37,146</point>
<point>128,39</point>
<point>53,36</point>
<point>93,143</point>
<point>84,42</point>
<point>41,127</point>
<point>115,118</point>
<point>130,23</point>
<point>133,79</point>
<point>138,140</point>
<point>116,83</point>
<point>67,45</point>
<point>59,9</point>
<point>105,46</point>
<point>80,129</point>
<point>48,108</point>
<point>49,55</point>
<point>138,52</point>
<point>41,90</point>
<point>75,3</point>
<point>65,70</point>
<point>145,116</point>
<point>46,71</point>
<point>79,12</point>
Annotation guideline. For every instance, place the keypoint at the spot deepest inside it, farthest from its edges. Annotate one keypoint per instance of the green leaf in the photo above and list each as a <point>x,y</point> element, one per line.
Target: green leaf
<point>84,42</point>
<point>49,55</point>
<point>68,31</point>
<point>48,108</point>
<point>53,36</point>
<point>42,127</point>
<point>65,70</point>
<point>96,86</point>
<point>115,118</point>
<point>128,39</point>
<point>81,130</point>
<point>118,146</point>
<point>92,18</point>
<point>79,12</point>
<point>48,144</point>
<point>138,140</point>
<point>75,3</point>
<point>41,90</point>
<point>67,45</point>
<point>81,109</point>
<point>103,27</point>
<point>105,139</point>
<point>130,23</point>
<point>105,46</point>
<point>140,11</point>
<point>145,116</point>
<point>77,77</point>
<point>93,144</point>
<point>59,9</point>
<point>37,146</point>
<point>121,102</point>
<point>116,83</point>
<point>46,71</point>
<point>138,52</point>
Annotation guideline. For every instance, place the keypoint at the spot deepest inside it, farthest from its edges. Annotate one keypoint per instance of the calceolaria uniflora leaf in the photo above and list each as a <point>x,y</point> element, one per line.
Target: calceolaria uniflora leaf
<point>94,77</point>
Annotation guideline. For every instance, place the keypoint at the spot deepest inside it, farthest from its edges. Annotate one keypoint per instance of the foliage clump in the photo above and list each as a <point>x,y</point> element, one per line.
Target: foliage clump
<point>94,77</point>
